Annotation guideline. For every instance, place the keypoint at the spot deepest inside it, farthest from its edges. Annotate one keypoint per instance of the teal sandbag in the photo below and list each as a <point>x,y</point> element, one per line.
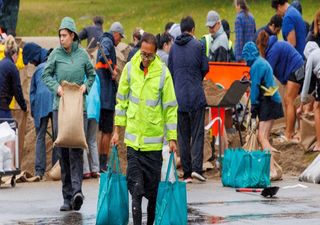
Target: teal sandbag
<point>171,207</point>
<point>226,167</point>
<point>243,169</point>
<point>242,176</point>
<point>113,203</point>
<point>235,164</point>
<point>260,169</point>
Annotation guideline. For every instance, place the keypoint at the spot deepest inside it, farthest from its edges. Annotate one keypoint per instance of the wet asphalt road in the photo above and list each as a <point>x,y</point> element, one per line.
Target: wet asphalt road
<point>208,203</point>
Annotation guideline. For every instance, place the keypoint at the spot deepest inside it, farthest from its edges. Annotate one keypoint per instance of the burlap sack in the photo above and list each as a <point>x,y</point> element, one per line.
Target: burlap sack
<point>55,172</point>
<point>308,131</point>
<point>212,92</point>
<point>252,143</point>
<point>275,169</point>
<point>70,118</point>
<point>25,176</point>
<point>122,52</point>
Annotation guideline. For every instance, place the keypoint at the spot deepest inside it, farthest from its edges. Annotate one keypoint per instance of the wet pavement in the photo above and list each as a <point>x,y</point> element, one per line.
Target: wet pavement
<point>208,203</point>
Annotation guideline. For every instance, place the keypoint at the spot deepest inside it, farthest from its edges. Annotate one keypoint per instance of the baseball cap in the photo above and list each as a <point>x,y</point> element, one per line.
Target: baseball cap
<point>212,18</point>
<point>117,27</point>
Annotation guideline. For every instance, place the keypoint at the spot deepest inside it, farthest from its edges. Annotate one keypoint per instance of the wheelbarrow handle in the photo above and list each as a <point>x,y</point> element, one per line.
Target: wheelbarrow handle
<point>248,189</point>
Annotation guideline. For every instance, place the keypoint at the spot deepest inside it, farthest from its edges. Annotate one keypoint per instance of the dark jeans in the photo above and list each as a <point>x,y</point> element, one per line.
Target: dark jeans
<point>71,162</point>
<point>40,160</point>
<point>143,176</point>
<point>191,140</point>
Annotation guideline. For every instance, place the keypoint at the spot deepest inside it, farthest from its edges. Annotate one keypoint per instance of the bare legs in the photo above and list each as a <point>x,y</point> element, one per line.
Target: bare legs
<point>291,92</point>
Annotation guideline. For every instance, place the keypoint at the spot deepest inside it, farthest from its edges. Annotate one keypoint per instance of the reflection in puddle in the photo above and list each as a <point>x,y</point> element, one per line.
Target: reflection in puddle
<point>72,218</point>
<point>195,217</point>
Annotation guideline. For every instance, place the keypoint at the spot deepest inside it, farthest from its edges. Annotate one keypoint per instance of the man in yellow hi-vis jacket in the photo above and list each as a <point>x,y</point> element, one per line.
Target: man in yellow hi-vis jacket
<point>147,107</point>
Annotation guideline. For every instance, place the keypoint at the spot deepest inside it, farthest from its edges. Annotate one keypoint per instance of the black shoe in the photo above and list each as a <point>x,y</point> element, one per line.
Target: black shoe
<point>65,207</point>
<point>77,201</point>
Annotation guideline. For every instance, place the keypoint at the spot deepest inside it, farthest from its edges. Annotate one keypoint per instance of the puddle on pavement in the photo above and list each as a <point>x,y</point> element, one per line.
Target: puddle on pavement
<point>195,216</point>
<point>262,200</point>
<point>72,218</point>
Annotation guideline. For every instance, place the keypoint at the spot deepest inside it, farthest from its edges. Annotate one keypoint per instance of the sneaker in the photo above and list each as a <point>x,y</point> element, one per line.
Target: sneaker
<point>188,180</point>
<point>198,176</point>
<point>77,201</point>
<point>65,207</point>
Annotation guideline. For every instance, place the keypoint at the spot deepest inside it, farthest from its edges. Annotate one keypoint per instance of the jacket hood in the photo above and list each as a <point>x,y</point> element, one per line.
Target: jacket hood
<point>108,35</point>
<point>250,52</point>
<point>68,23</point>
<point>272,40</point>
<point>175,30</point>
<point>310,47</point>
<point>34,53</point>
<point>183,39</point>
<point>136,60</point>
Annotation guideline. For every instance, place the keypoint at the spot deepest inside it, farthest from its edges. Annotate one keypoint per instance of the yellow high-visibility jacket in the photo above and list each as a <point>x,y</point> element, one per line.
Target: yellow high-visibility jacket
<point>146,105</point>
<point>19,62</point>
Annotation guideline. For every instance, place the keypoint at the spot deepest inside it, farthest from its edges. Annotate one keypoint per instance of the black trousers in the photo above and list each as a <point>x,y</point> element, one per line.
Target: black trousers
<point>71,163</point>
<point>143,176</point>
<point>191,140</point>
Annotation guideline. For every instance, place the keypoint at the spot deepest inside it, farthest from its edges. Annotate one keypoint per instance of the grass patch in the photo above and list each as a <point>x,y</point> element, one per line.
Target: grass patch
<point>42,17</point>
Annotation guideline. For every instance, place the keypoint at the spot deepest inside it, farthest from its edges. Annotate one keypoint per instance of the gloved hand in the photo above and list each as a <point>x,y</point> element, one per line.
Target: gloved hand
<point>254,124</point>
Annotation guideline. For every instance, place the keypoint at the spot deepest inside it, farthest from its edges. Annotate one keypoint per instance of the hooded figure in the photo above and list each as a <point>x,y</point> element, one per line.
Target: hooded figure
<point>69,62</point>
<point>266,107</point>
<point>261,74</point>
<point>41,101</point>
<point>188,65</point>
<point>34,54</point>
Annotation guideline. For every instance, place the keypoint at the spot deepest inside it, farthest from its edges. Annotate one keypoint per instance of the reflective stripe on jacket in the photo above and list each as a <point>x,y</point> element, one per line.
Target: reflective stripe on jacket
<point>208,38</point>
<point>146,105</point>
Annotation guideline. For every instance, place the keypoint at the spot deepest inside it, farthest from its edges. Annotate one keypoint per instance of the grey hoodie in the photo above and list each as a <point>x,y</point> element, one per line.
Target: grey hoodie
<point>312,54</point>
<point>219,48</point>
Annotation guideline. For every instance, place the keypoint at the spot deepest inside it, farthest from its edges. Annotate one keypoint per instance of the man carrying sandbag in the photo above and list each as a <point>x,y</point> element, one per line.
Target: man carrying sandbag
<point>146,107</point>
<point>63,75</point>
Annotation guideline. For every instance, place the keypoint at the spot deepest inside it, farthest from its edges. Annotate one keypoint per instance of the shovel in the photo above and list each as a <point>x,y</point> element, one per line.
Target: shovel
<point>265,192</point>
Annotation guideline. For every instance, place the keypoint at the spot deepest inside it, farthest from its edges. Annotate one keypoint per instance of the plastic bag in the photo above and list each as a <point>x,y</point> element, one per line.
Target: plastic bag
<point>242,168</point>
<point>165,163</point>
<point>312,173</point>
<point>6,133</point>
<point>113,200</point>
<point>5,158</point>
<point>171,207</point>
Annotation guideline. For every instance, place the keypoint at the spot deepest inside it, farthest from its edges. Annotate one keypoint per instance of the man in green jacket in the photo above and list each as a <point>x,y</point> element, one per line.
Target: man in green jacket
<point>147,107</point>
<point>69,62</point>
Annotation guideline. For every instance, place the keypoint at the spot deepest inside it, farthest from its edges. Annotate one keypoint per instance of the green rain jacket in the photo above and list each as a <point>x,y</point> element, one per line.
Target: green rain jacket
<point>71,67</point>
<point>146,105</point>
